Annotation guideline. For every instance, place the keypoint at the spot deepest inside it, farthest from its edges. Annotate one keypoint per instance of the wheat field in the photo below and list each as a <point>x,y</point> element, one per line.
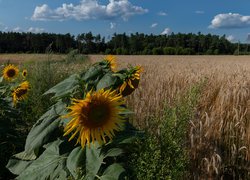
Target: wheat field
<point>219,134</point>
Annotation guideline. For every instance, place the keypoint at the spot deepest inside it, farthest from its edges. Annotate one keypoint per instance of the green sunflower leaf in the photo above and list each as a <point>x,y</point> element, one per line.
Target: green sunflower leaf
<point>45,128</point>
<point>76,161</point>
<point>114,152</point>
<point>50,165</point>
<point>94,160</point>
<point>65,87</point>
<point>17,166</point>
<point>93,73</point>
<point>113,172</point>
<point>106,81</point>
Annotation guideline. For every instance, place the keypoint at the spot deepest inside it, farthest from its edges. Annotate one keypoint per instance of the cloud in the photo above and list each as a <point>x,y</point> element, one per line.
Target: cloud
<point>231,38</point>
<point>167,31</point>
<point>248,38</point>
<point>3,27</point>
<point>162,13</point>
<point>199,12</point>
<point>88,9</point>
<point>154,25</point>
<point>17,29</point>
<point>112,25</point>
<point>230,20</point>
<point>36,30</point>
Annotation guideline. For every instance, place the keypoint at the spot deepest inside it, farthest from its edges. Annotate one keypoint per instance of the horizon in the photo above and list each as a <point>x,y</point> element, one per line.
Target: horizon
<point>106,17</point>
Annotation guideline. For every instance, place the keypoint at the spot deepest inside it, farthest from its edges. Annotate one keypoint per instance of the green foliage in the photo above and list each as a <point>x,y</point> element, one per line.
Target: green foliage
<point>41,75</point>
<point>65,87</point>
<point>11,132</point>
<point>50,164</point>
<point>157,51</point>
<point>162,153</point>
<point>135,43</point>
<point>108,51</point>
<point>147,51</point>
<point>75,56</point>
<point>169,51</point>
<point>120,51</point>
<point>49,155</point>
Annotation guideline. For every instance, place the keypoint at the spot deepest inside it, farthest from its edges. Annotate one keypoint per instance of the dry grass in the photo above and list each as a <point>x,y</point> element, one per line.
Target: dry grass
<point>219,134</point>
<point>20,58</point>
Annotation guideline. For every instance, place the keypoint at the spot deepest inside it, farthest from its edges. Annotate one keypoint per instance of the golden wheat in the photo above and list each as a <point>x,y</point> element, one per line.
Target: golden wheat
<point>219,134</point>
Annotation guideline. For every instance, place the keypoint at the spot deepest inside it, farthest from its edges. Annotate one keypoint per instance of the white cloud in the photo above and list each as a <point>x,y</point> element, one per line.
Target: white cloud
<point>230,20</point>
<point>36,30</point>
<point>231,38</point>
<point>199,12</point>
<point>6,29</point>
<point>161,13</point>
<point>154,25</point>
<point>3,27</point>
<point>17,29</point>
<point>88,9</point>
<point>112,25</point>
<point>167,31</point>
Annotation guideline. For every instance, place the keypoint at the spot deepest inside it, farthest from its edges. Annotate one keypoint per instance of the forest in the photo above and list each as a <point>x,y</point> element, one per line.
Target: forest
<point>119,44</point>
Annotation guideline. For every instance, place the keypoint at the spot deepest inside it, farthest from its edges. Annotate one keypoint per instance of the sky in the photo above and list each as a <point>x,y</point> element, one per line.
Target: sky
<point>106,17</point>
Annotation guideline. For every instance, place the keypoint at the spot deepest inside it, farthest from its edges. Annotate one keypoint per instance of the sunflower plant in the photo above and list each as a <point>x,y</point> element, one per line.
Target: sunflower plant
<point>13,90</point>
<point>84,133</point>
<point>14,86</point>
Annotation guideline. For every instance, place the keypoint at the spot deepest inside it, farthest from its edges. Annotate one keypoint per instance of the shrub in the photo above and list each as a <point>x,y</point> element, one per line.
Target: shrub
<point>163,153</point>
<point>157,51</point>
<point>169,51</point>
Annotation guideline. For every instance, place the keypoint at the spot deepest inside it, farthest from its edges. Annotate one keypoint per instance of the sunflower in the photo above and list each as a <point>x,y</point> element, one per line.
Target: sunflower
<point>20,93</point>
<point>95,117</point>
<point>24,73</point>
<point>111,61</point>
<point>10,72</point>
<point>131,82</point>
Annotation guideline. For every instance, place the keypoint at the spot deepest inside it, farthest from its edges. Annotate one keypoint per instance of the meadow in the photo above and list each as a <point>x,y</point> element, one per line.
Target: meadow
<point>193,111</point>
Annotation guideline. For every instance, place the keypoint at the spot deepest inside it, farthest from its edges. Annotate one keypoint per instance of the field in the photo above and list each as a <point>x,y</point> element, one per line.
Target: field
<point>195,111</point>
<point>20,58</point>
<point>218,132</point>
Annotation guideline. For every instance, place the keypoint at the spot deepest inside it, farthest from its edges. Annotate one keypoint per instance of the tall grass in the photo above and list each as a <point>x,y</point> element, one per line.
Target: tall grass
<point>162,153</point>
<point>43,75</point>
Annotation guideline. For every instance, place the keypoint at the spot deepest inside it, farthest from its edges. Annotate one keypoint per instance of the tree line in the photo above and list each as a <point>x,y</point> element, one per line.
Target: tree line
<point>135,44</point>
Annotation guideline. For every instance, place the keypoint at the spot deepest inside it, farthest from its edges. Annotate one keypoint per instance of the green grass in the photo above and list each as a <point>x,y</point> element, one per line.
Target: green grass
<point>43,75</point>
<point>162,153</point>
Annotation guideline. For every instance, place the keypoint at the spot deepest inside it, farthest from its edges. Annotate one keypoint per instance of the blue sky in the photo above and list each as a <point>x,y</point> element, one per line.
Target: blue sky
<point>229,17</point>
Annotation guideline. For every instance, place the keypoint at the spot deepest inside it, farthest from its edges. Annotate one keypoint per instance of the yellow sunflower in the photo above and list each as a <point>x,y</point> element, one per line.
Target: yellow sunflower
<point>20,93</point>
<point>24,73</point>
<point>111,61</point>
<point>10,72</point>
<point>95,117</point>
<point>131,82</point>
